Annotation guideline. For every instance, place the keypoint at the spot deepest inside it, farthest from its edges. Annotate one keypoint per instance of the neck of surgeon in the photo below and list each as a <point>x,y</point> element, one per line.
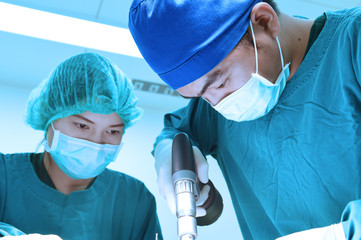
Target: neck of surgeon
<point>62,182</point>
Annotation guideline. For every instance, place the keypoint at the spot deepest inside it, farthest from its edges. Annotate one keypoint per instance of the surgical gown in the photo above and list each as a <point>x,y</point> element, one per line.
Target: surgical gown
<point>115,206</point>
<point>298,167</point>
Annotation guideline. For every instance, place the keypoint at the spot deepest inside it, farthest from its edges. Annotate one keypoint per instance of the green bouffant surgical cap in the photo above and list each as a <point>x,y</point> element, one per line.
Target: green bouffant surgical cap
<point>85,82</point>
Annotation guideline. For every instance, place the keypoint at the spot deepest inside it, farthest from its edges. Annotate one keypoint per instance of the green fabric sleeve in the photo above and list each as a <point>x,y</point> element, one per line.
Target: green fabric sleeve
<point>2,186</point>
<point>315,30</point>
<point>354,33</point>
<point>351,216</point>
<point>198,119</point>
<point>147,225</point>
<point>5,229</point>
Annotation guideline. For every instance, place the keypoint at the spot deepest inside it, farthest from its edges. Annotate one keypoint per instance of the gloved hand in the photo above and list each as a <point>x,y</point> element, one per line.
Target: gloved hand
<point>332,232</point>
<point>34,236</point>
<point>163,166</point>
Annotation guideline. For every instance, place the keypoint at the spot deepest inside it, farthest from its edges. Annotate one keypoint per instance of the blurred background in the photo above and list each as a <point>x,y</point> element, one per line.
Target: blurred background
<point>36,35</point>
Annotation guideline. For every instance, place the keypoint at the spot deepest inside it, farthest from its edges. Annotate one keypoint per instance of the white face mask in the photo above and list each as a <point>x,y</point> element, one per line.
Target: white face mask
<point>78,158</point>
<point>257,97</point>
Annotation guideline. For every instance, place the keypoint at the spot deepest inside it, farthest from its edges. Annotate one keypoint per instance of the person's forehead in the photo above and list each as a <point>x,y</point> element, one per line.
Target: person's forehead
<point>97,118</point>
<point>112,117</point>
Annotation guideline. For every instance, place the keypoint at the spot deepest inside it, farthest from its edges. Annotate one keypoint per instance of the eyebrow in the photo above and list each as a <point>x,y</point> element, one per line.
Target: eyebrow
<point>85,119</point>
<point>118,125</point>
<point>88,120</point>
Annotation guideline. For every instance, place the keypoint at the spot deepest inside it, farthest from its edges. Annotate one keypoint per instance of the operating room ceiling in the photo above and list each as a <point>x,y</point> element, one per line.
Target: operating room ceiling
<point>25,61</point>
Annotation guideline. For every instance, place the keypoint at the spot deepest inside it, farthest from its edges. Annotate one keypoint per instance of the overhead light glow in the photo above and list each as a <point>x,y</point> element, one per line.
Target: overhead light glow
<point>69,30</point>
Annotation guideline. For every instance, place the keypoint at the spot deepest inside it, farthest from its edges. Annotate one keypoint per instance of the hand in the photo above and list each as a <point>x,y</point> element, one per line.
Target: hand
<point>163,166</point>
<point>332,232</point>
<point>34,236</point>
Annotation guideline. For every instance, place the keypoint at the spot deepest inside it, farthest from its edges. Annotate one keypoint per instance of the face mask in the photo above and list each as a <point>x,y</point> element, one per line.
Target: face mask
<point>78,158</point>
<point>257,97</point>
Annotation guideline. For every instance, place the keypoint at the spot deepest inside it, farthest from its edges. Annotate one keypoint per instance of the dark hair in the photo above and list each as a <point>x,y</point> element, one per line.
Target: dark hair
<point>273,4</point>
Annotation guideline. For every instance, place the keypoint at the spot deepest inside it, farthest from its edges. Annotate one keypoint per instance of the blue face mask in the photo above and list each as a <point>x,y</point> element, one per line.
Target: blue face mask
<point>257,97</point>
<point>78,158</point>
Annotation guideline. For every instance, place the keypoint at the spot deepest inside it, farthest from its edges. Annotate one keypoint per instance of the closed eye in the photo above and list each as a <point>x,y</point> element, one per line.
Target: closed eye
<point>223,84</point>
<point>220,86</point>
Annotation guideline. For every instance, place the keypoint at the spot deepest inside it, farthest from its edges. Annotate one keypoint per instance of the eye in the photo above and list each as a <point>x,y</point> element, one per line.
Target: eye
<point>82,125</point>
<point>114,132</point>
<point>223,84</point>
<point>220,86</point>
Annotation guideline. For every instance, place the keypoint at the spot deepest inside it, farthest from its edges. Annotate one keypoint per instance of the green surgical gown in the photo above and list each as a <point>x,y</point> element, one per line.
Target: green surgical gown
<point>298,167</point>
<point>115,206</point>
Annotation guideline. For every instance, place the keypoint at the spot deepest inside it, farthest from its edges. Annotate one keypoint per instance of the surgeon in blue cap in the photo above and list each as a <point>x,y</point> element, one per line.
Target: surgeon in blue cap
<point>275,99</point>
<point>84,107</point>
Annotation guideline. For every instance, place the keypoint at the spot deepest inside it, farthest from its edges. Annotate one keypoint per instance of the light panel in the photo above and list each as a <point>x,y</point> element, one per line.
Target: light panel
<point>68,30</point>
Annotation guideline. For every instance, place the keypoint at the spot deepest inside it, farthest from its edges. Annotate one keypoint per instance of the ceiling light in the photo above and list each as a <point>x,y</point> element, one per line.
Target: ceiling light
<point>69,30</point>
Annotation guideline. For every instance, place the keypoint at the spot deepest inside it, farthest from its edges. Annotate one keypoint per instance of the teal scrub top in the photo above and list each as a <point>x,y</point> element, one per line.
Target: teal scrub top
<point>115,206</point>
<point>298,167</point>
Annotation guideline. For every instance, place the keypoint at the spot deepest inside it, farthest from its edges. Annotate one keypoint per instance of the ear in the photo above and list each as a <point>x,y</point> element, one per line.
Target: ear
<point>49,135</point>
<point>263,16</point>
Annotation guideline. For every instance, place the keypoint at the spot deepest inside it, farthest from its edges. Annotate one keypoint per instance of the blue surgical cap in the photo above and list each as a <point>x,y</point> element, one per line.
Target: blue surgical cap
<point>182,40</point>
<point>85,82</point>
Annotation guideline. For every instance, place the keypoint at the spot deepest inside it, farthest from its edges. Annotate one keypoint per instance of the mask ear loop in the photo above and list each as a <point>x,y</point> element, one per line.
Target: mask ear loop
<point>255,46</point>
<point>55,138</point>
<point>279,47</point>
<point>44,141</point>
<point>41,143</point>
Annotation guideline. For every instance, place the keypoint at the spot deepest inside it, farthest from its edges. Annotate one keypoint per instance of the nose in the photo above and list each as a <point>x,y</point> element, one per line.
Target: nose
<point>211,96</point>
<point>212,99</point>
<point>97,137</point>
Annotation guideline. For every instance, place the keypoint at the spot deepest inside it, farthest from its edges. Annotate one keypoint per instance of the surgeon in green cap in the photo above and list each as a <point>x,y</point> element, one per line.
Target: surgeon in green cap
<point>66,192</point>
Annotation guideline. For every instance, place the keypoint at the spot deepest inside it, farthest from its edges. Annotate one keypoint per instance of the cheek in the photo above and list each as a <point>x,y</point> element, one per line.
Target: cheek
<point>238,79</point>
<point>73,132</point>
<point>241,71</point>
<point>270,64</point>
<point>235,81</point>
<point>114,140</point>
<point>121,138</point>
